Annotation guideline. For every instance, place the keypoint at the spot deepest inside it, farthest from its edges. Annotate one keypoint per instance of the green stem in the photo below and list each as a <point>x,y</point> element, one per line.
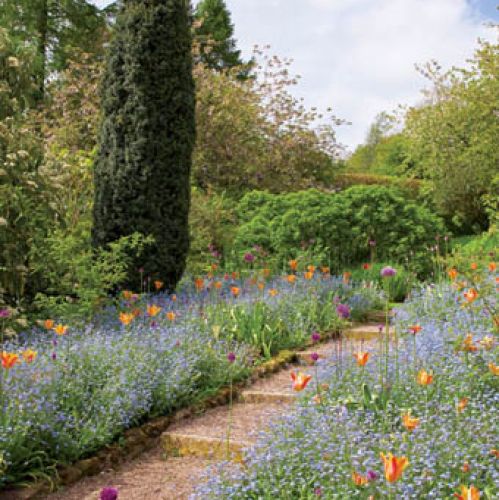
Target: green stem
<point>230,420</point>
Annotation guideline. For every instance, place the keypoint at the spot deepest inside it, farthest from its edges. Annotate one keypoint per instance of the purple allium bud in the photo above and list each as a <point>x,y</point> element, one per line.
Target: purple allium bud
<point>54,356</point>
<point>249,257</point>
<point>4,313</point>
<point>316,336</point>
<point>381,328</point>
<point>372,476</point>
<point>372,243</point>
<point>336,300</point>
<point>318,492</point>
<point>314,357</point>
<point>54,342</point>
<point>343,311</point>
<point>109,494</point>
<point>141,270</point>
<point>154,324</point>
<point>231,357</point>
<point>388,271</point>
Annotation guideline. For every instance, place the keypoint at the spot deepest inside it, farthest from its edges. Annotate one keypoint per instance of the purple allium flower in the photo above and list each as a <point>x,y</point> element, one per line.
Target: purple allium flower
<point>231,357</point>
<point>388,271</point>
<point>54,356</point>
<point>343,311</point>
<point>314,357</point>
<point>318,492</point>
<point>316,336</point>
<point>54,342</point>
<point>154,324</point>
<point>4,313</point>
<point>249,257</point>
<point>381,328</point>
<point>372,475</point>
<point>109,494</point>
<point>372,243</point>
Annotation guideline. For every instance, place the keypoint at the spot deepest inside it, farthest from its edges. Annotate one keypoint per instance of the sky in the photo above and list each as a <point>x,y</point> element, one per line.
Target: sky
<point>358,56</point>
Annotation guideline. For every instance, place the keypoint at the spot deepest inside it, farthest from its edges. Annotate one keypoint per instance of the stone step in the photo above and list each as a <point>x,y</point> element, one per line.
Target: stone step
<point>267,397</point>
<point>183,445</point>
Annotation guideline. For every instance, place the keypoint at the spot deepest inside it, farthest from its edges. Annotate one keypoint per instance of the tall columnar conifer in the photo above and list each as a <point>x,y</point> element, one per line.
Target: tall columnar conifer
<point>143,167</point>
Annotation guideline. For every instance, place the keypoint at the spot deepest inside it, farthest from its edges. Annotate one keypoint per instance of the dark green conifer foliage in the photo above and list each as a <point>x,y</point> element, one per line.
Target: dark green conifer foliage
<point>143,167</point>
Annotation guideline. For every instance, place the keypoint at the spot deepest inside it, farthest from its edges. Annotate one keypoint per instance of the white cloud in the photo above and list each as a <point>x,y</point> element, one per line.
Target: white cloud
<point>358,56</point>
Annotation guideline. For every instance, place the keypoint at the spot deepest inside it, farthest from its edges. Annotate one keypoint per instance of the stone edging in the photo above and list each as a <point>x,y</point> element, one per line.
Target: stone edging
<point>137,440</point>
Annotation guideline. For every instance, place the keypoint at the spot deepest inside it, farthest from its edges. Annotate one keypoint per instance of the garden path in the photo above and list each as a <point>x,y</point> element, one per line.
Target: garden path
<point>175,466</point>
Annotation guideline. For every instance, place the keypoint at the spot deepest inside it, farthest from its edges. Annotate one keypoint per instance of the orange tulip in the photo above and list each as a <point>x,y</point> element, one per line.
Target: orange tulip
<point>153,310</point>
<point>470,493</point>
<point>424,378</point>
<point>49,324</point>
<point>415,329</point>
<point>463,402</point>
<point>127,294</point>
<point>199,283</point>
<point>253,281</point>
<point>325,270</point>
<point>293,264</point>
<point>171,315</point>
<point>217,285</point>
<point>291,278</point>
<point>494,369</point>
<point>261,286</point>
<point>361,358</point>
<point>494,452</point>
<point>410,423</point>
<point>126,318</point>
<point>466,467</point>
<point>452,273</point>
<point>158,284</point>
<point>136,313</point>
<point>174,298</point>
<point>300,380</point>
<point>474,266</point>
<point>308,275</point>
<point>311,269</point>
<point>60,329</point>
<point>394,466</point>
<point>346,277</point>
<point>266,272</point>
<point>358,479</point>
<point>317,399</point>
<point>9,360</point>
<point>29,355</point>
<point>234,275</point>
<point>366,267</point>
<point>468,344</point>
<point>492,267</point>
<point>235,291</point>
<point>487,342</point>
<point>273,292</point>
<point>471,295</point>
<point>214,267</point>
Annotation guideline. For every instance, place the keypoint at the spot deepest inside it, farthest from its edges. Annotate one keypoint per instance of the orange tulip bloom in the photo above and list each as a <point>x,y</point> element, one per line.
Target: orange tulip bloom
<point>452,273</point>
<point>234,275</point>
<point>127,294</point>
<point>311,269</point>
<point>291,278</point>
<point>358,479</point>
<point>492,267</point>
<point>153,310</point>
<point>470,493</point>
<point>410,423</point>
<point>474,266</point>
<point>466,467</point>
<point>49,324</point>
<point>346,277</point>
<point>273,292</point>
<point>261,286</point>
<point>174,298</point>
<point>266,272</point>
<point>253,281</point>
<point>424,378</point>
<point>415,329</point>
<point>300,380</point>
<point>494,452</point>
<point>325,270</point>
<point>199,283</point>
<point>366,267</point>
<point>9,360</point>
<point>158,284</point>
<point>394,466</point>
<point>293,264</point>
<point>171,316</point>
<point>126,318</point>
<point>217,285</point>
<point>214,267</point>
<point>235,291</point>
<point>361,358</point>
<point>29,355</point>
<point>468,344</point>
<point>308,275</point>
<point>494,369</point>
<point>136,313</point>
<point>317,399</point>
<point>60,329</point>
<point>471,295</point>
<point>463,402</point>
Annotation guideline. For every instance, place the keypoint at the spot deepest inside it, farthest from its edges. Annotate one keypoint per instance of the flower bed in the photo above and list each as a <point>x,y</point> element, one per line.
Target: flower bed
<point>66,392</point>
<point>418,419</point>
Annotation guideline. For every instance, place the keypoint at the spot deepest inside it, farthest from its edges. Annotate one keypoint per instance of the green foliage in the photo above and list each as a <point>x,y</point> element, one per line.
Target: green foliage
<point>453,138</point>
<point>340,225</point>
<point>142,172</point>
<point>215,35</point>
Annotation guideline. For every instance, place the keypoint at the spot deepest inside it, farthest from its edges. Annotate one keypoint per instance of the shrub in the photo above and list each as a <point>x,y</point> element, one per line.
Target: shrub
<point>338,226</point>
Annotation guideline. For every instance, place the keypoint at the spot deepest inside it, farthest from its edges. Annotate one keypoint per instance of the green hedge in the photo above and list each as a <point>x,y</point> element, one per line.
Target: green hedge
<point>336,228</point>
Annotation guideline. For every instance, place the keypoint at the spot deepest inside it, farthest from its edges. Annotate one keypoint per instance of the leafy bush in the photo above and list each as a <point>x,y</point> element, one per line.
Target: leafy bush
<point>338,226</point>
